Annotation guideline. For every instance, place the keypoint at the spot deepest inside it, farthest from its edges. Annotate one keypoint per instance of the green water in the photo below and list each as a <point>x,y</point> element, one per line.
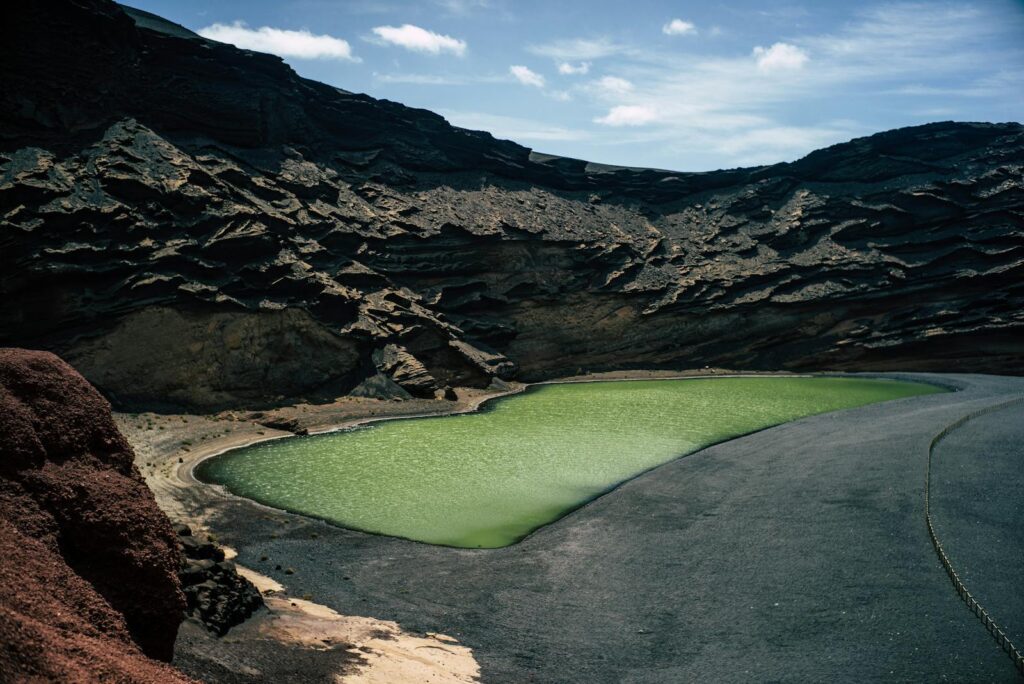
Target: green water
<point>487,479</point>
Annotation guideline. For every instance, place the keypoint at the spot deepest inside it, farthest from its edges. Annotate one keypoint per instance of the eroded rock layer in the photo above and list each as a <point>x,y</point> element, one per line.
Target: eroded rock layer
<point>195,225</point>
<point>88,563</point>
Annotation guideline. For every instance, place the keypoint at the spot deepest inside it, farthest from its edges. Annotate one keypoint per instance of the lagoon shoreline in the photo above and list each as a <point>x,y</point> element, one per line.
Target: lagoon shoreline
<point>169,447</point>
<point>160,439</point>
<point>288,539</point>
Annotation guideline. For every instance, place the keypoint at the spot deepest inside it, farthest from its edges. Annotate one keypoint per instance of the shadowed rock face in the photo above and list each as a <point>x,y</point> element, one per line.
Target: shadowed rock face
<point>195,225</point>
<point>88,563</point>
<point>215,594</point>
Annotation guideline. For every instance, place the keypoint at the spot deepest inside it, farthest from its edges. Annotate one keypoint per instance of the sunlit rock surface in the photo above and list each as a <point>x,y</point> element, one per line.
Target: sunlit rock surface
<point>195,225</point>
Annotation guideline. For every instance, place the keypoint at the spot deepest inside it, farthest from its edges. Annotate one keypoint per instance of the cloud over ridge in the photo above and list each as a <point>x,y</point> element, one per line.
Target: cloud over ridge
<point>282,42</point>
<point>780,57</point>
<point>679,27</point>
<point>419,39</point>
<point>570,69</point>
<point>525,76</point>
<point>628,115</point>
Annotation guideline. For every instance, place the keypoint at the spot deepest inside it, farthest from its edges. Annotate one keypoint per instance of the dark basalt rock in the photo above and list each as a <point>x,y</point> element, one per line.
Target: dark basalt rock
<point>196,225</point>
<point>216,594</point>
<point>88,563</point>
<point>279,423</point>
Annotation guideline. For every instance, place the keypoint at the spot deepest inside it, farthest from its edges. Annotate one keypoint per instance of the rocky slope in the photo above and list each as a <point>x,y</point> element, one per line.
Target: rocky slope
<point>215,594</point>
<point>88,563</point>
<point>195,225</point>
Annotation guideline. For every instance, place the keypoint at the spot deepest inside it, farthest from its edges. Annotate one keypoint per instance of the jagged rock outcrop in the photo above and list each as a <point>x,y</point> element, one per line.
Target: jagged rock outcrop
<point>405,369</point>
<point>215,594</point>
<point>88,563</point>
<point>152,180</point>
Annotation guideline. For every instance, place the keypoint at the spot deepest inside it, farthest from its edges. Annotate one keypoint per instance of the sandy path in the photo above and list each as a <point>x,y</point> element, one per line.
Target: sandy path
<point>167,449</point>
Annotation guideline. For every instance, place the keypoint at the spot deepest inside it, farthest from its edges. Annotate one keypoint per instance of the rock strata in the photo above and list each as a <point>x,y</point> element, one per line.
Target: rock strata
<point>195,225</point>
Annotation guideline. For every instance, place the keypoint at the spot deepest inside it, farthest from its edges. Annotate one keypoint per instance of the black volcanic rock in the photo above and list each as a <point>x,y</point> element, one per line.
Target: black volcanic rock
<point>215,593</point>
<point>195,225</point>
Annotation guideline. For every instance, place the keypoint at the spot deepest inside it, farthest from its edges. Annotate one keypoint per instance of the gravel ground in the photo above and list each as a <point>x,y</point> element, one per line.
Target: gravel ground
<point>798,553</point>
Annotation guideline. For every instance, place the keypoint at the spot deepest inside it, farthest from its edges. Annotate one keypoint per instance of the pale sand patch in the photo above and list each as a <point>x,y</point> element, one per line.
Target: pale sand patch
<point>167,447</point>
<point>388,654</point>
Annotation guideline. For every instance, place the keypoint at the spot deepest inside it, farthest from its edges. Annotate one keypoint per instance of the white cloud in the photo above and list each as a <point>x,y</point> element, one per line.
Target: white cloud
<point>613,85</point>
<point>710,108</point>
<point>937,112</point>
<point>570,69</point>
<point>992,84</point>
<point>420,79</point>
<point>439,79</point>
<point>628,115</point>
<point>678,27</point>
<point>420,39</point>
<point>282,42</point>
<point>512,128</point>
<point>577,48</point>
<point>944,38</point>
<point>526,76</point>
<point>698,111</point>
<point>769,144</point>
<point>780,57</point>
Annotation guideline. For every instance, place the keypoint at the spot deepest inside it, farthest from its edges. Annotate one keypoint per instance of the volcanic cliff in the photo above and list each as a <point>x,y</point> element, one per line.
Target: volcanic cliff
<point>195,225</point>
<point>88,563</point>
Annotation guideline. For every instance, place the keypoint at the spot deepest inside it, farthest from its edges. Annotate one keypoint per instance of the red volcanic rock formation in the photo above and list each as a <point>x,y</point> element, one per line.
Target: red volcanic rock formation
<point>88,563</point>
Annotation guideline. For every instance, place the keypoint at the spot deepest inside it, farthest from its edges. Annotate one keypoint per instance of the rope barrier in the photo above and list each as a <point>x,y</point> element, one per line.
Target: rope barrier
<point>961,589</point>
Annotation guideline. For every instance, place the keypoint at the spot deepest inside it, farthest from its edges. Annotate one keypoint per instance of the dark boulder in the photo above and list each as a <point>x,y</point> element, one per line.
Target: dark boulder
<point>216,594</point>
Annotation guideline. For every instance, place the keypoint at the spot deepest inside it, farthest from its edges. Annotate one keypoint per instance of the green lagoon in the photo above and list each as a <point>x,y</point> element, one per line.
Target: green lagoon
<point>487,479</point>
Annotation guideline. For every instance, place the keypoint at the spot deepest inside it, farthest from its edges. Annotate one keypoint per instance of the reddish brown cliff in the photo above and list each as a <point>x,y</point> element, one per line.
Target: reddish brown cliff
<point>88,563</point>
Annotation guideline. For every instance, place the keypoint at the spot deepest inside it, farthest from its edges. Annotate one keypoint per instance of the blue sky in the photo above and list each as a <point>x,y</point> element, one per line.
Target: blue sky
<point>688,86</point>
